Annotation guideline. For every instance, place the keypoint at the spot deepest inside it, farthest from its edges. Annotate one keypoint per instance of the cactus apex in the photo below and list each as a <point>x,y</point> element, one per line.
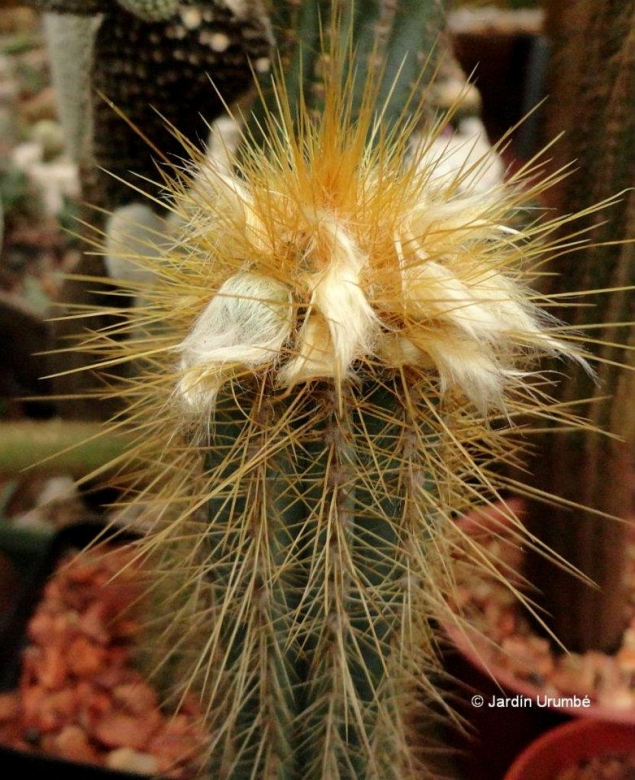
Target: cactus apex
<point>151,10</point>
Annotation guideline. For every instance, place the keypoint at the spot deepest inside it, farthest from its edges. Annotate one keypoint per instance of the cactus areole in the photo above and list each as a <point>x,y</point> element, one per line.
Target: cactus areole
<point>328,359</point>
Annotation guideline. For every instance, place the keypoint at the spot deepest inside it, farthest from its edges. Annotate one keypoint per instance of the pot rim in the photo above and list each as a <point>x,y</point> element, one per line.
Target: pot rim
<point>567,743</point>
<point>479,521</point>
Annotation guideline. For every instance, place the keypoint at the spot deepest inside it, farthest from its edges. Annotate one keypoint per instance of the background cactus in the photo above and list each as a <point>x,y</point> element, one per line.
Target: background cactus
<point>129,73</point>
<point>324,366</point>
<point>141,57</point>
<point>593,83</point>
<point>158,74</point>
<point>151,10</point>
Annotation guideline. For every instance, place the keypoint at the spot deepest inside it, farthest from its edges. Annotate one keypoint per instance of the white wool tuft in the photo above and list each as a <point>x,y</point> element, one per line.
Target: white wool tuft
<point>472,367</point>
<point>316,358</point>
<point>465,158</point>
<point>451,303</point>
<point>434,292</point>
<point>134,236</point>
<point>340,303</point>
<point>245,324</point>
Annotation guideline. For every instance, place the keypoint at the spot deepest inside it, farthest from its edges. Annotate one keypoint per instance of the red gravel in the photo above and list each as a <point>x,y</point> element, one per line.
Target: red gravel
<point>80,696</point>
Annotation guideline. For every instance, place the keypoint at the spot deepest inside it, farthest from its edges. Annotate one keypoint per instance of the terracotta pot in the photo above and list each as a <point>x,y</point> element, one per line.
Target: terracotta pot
<point>569,744</point>
<point>509,684</point>
<point>493,736</point>
<point>494,520</point>
<point>486,755</point>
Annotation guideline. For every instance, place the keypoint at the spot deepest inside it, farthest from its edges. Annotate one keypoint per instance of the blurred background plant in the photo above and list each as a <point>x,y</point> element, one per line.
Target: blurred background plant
<point>592,84</point>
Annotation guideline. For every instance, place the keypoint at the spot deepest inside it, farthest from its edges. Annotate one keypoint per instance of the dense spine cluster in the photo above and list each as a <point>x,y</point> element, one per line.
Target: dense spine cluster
<point>335,340</point>
<point>325,363</point>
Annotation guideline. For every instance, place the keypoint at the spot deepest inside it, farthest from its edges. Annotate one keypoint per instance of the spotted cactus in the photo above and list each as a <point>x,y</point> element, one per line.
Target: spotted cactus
<point>151,10</point>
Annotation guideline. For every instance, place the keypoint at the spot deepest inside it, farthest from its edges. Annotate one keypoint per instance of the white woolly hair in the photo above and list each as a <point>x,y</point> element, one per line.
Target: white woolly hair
<point>134,236</point>
<point>245,324</point>
<point>444,296</point>
<point>341,325</point>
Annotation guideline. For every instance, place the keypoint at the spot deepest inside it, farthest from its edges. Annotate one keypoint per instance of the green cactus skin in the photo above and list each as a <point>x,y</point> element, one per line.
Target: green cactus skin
<point>319,541</point>
<point>320,364</point>
<point>394,42</point>
<point>328,707</point>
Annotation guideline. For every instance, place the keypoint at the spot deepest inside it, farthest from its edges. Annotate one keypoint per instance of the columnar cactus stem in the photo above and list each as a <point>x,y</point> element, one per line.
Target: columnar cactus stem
<point>318,530</point>
<point>249,562</point>
<point>593,105</point>
<point>325,346</point>
<point>392,41</point>
<point>321,358</point>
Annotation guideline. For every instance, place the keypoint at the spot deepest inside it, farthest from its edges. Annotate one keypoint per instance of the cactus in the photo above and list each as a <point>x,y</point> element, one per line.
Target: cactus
<point>153,72</point>
<point>392,43</point>
<point>180,72</point>
<point>142,57</point>
<point>593,106</point>
<point>322,358</point>
<point>147,10</point>
<point>324,366</point>
<point>151,10</point>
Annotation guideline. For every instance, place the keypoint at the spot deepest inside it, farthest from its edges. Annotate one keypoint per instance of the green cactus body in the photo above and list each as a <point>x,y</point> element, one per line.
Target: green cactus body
<point>320,360</point>
<point>318,531</point>
<point>391,44</point>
